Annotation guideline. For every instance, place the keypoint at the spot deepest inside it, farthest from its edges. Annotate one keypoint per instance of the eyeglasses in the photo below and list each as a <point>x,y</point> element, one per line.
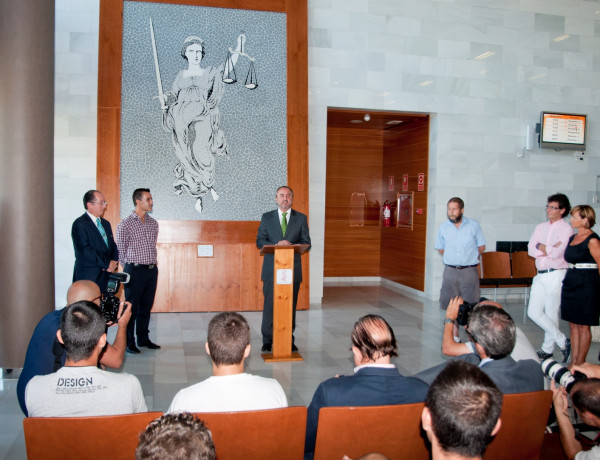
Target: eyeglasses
<point>554,208</point>
<point>100,202</point>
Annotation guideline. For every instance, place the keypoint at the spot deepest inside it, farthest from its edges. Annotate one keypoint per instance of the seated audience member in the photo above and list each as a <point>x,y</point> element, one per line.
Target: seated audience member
<point>80,388</point>
<point>45,354</point>
<point>492,331</point>
<point>176,437</point>
<point>229,388</point>
<point>450,347</point>
<point>585,396</point>
<point>375,382</point>
<point>461,413</point>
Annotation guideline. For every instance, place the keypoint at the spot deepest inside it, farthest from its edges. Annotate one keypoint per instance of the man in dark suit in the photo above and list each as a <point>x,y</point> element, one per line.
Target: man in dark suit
<point>493,333</point>
<point>96,254</point>
<point>283,226</point>
<point>375,382</point>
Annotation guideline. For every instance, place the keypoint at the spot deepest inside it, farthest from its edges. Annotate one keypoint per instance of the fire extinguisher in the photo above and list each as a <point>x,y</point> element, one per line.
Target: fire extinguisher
<point>387,214</point>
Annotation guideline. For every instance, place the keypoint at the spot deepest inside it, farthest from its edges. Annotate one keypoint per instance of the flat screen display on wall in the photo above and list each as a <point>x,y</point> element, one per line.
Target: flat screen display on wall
<point>562,131</point>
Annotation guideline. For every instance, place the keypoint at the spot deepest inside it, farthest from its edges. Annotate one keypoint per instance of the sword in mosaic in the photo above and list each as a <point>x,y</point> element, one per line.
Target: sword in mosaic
<point>161,95</point>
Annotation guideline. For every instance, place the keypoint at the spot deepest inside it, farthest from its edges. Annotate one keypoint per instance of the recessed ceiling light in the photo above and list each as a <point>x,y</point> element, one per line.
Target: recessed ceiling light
<point>485,55</point>
<point>394,122</point>
<point>356,121</point>
<point>560,38</point>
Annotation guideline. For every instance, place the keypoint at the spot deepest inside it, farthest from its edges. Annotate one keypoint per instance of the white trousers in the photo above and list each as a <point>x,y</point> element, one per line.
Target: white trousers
<point>544,303</point>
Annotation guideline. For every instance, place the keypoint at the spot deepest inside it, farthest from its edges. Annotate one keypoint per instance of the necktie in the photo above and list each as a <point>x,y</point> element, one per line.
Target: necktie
<point>283,223</point>
<point>102,232</point>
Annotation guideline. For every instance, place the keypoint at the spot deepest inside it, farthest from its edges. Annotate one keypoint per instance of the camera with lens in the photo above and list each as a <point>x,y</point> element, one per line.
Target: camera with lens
<point>109,305</point>
<point>560,374</point>
<point>464,311</point>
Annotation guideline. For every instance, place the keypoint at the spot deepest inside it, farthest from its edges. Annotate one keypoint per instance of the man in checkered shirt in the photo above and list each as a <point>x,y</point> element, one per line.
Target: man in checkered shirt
<point>136,240</point>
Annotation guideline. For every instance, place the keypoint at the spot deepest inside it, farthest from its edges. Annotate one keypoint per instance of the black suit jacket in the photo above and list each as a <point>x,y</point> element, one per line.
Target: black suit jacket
<point>269,232</point>
<point>92,256</point>
<point>510,376</point>
<point>370,386</point>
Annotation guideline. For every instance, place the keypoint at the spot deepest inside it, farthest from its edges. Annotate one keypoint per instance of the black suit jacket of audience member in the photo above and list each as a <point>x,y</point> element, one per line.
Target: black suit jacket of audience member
<point>510,376</point>
<point>369,386</point>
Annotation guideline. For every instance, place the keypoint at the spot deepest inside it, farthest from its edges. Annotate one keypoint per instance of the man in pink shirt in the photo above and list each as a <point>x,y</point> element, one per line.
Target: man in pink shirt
<point>547,245</point>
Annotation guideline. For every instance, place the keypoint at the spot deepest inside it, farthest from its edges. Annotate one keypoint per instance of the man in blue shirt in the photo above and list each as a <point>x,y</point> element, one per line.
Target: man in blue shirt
<point>460,241</point>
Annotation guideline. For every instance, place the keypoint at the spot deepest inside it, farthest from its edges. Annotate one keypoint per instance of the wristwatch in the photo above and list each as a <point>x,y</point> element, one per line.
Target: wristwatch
<point>537,246</point>
<point>448,321</point>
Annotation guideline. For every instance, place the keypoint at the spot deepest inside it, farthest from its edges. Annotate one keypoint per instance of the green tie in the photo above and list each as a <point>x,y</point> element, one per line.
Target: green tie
<point>283,223</point>
<point>101,229</point>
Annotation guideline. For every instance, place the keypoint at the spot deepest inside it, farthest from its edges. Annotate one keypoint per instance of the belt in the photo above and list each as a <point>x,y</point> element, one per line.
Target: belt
<point>149,267</point>
<point>579,266</point>
<point>549,270</point>
<point>460,267</point>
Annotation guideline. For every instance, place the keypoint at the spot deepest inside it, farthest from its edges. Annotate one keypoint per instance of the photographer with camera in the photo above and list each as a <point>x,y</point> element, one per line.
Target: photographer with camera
<point>493,333</point>
<point>458,311</point>
<point>45,354</point>
<point>80,388</point>
<point>585,395</point>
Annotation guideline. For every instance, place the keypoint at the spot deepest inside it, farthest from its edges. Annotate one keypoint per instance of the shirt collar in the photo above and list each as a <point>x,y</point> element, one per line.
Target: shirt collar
<point>381,366</point>
<point>287,216</point>
<point>94,218</point>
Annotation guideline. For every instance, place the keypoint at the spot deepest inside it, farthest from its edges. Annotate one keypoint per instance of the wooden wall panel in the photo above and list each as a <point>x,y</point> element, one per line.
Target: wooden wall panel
<point>354,159</point>
<point>406,151</point>
<point>231,280</point>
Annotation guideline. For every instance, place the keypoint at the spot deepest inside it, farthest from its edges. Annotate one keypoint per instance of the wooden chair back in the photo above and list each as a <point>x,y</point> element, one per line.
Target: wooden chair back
<point>524,418</point>
<point>523,266</point>
<point>273,434</point>
<point>495,264</point>
<point>63,438</point>
<point>394,431</point>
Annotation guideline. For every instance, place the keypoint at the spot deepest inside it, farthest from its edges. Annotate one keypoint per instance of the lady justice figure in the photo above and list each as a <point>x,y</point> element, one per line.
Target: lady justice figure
<point>191,115</point>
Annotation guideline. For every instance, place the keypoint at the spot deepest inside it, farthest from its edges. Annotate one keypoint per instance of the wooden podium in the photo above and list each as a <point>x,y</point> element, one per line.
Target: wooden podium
<point>283,300</point>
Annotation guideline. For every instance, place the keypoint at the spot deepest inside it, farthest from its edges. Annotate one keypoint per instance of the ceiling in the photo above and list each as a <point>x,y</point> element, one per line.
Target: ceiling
<point>342,118</point>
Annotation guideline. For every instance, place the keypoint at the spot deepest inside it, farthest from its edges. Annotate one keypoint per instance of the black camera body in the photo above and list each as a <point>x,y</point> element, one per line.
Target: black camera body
<point>109,305</point>
<point>464,312</point>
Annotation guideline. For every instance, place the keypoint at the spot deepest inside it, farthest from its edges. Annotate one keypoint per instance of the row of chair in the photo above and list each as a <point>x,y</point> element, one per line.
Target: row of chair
<point>504,270</point>
<point>394,431</point>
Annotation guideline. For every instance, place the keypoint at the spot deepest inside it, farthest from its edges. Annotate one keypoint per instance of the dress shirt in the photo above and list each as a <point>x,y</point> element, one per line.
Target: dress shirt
<point>287,216</point>
<point>383,366</point>
<point>549,234</point>
<point>460,244</point>
<point>136,240</point>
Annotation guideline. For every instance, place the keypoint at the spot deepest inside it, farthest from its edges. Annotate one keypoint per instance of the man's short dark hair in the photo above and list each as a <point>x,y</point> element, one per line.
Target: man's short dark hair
<point>88,197</point>
<point>563,202</point>
<point>374,337</point>
<point>586,396</point>
<point>138,194</point>
<point>228,337</point>
<point>493,329</point>
<point>465,406</point>
<point>81,326</point>
<point>284,186</point>
<point>176,436</point>
<point>458,201</point>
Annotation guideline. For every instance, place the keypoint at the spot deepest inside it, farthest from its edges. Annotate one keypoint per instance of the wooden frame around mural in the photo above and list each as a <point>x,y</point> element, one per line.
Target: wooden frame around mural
<point>109,130</point>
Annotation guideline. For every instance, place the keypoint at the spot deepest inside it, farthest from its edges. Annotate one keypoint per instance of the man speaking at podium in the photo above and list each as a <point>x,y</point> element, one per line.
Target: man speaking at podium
<point>283,226</point>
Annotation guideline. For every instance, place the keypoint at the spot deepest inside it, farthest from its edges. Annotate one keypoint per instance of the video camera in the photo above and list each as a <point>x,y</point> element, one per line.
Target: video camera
<point>464,311</point>
<point>109,304</point>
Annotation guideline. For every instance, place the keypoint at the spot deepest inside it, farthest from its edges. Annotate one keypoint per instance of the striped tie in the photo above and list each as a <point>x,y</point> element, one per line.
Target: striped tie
<point>102,232</point>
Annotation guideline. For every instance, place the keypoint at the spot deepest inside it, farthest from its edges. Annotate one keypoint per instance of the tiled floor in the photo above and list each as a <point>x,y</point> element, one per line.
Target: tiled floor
<point>322,334</point>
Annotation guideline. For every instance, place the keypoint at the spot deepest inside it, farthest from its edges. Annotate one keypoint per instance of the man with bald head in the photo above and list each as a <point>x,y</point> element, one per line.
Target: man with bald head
<point>45,354</point>
<point>375,382</point>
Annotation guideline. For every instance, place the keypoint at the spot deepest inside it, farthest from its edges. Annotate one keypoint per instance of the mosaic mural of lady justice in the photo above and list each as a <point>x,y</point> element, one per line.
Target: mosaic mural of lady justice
<point>191,114</point>
<point>212,145</point>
